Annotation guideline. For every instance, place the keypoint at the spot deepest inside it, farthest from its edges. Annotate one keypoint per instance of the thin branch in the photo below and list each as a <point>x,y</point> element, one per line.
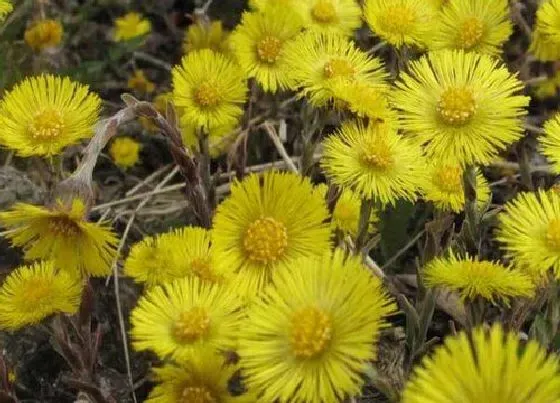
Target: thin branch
<point>153,60</point>
<point>402,250</point>
<point>271,131</point>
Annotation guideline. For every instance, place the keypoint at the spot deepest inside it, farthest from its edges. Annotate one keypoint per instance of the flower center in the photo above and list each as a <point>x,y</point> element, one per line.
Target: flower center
<point>207,95</point>
<point>553,234</point>
<point>311,332</point>
<point>36,292</point>
<point>47,125</point>
<point>268,49</point>
<point>266,240</point>
<point>470,33</point>
<point>398,20</point>
<point>448,179</point>
<point>323,11</point>
<point>196,394</point>
<point>200,266</point>
<point>376,154</point>
<point>191,325</point>
<point>456,106</point>
<point>338,68</point>
<point>63,227</point>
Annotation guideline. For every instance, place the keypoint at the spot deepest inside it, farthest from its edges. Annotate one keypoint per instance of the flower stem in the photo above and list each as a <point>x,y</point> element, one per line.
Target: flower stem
<point>471,208</point>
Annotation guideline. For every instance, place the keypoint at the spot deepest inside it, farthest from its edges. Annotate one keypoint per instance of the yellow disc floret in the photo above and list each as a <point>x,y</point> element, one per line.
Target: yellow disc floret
<point>266,240</point>
<point>324,12</point>
<point>197,394</point>
<point>338,68</point>
<point>456,106</point>
<point>268,49</point>
<point>207,95</point>
<point>311,332</point>
<point>47,124</point>
<point>191,325</point>
<point>471,33</point>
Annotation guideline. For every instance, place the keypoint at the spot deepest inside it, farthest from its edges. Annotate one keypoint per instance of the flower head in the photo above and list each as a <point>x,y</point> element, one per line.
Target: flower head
<point>131,25</point>
<point>265,224</point>
<point>444,187</point>
<point>42,115</point>
<point>491,366</point>
<point>401,22</point>
<point>313,332</point>
<point>259,45</point>
<point>547,88</point>
<point>125,151</point>
<point>318,60</point>
<point>374,161</point>
<point>545,43</point>
<point>179,253</point>
<point>185,318</point>
<point>203,379</point>
<point>5,8</point>
<point>530,231</point>
<point>209,88</point>
<point>478,278</point>
<point>207,36</point>
<point>62,235</point>
<point>462,106</point>
<point>480,26</point>
<point>43,34</point>
<point>550,142</point>
<point>140,83</point>
<point>31,293</point>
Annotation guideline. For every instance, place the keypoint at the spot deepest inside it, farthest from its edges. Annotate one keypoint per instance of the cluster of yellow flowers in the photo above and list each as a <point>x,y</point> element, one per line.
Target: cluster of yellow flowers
<point>277,292</point>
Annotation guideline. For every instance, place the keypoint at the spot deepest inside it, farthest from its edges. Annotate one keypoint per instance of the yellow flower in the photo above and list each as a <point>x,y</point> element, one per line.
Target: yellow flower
<point>185,318</point>
<point>362,99</point>
<point>43,34</point>
<point>335,16</point>
<point>138,82</point>
<point>211,36</point>
<point>44,114</point>
<point>179,253</point>
<point>530,230</point>
<point>374,161</point>
<point>478,278</point>
<point>550,142</point>
<point>32,293</point>
<point>444,187</point>
<point>220,139</point>
<point>317,60</point>
<point>5,8</point>
<point>265,224</point>
<point>130,26</point>
<point>259,45</point>
<point>491,366</point>
<point>480,26</point>
<point>210,89</point>
<point>462,106</point>
<point>545,43</point>
<point>313,333</point>
<point>346,212</point>
<point>204,379</point>
<point>61,234</point>
<point>401,22</point>
<point>125,151</point>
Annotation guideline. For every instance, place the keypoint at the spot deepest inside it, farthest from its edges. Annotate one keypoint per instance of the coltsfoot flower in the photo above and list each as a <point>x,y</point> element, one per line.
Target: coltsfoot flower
<point>265,224</point>
<point>185,318</point>
<point>62,234</point>
<point>43,34</point>
<point>312,334</point>
<point>463,107</point>
<point>125,151</point>
<point>130,26</point>
<point>32,293</point>
<point>530,231</point>
<point>545,43</point>
<point>42,115</point>
<point>488,366</point>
